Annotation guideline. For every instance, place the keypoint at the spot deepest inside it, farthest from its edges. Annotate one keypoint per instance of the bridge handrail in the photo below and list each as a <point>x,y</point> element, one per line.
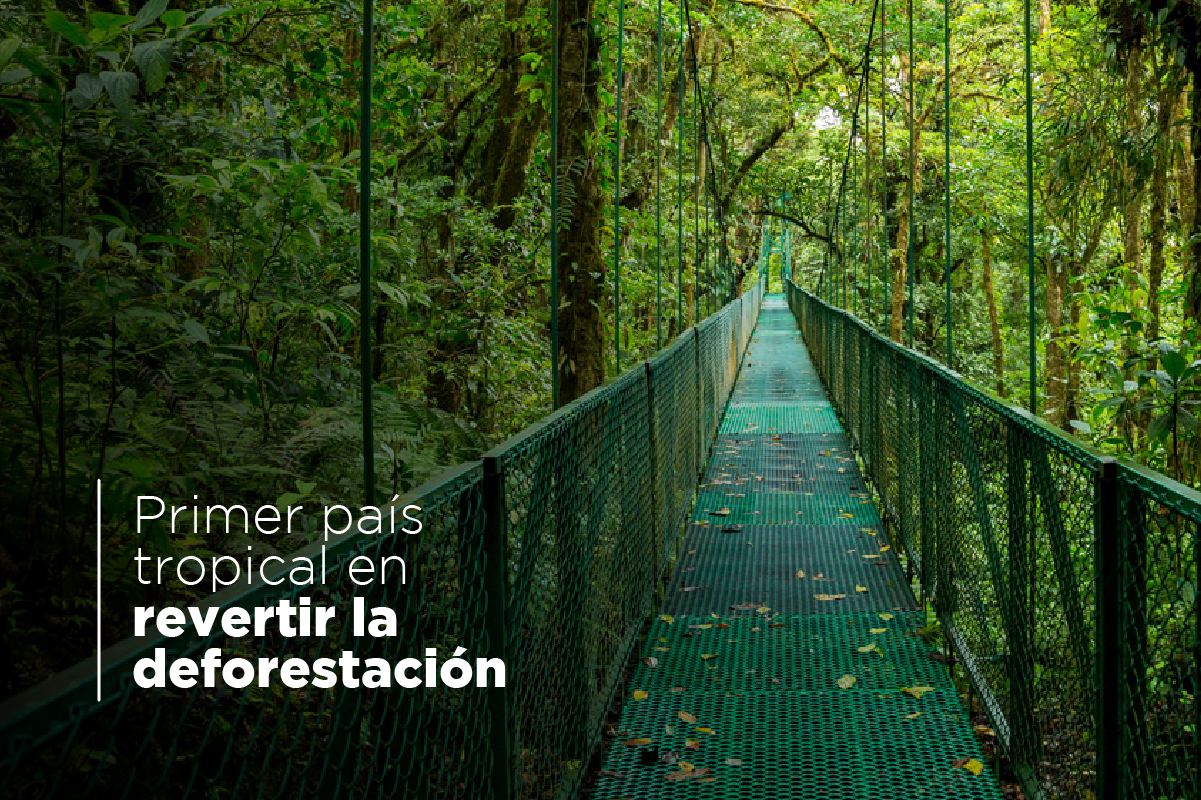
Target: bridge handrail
<point>1065,580</point>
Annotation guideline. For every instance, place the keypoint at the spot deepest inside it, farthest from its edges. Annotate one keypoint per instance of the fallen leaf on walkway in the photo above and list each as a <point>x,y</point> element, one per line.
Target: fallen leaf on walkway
<point>846,681</point>
<point>733,762</point>
<point>916,691</point>
<point>861,588</point>
<point>724,511</point>
<point>884,548</point>
<point>708,656</point>
<point>636,742</point>
<point>685,766</point>
<point>914,715</point>
<point>651,661</point>
<point>640,695</point>
<point>668,618</point>
<point>829,596</point>
<point>609,773</point>
<point>677,689</point>
<point>762,609</point>
<point>885,617</point>
<point>871,555</point>
<point>663,649</point>
<point>871,648</point>
<point>970,764</point>
<point>700,627</point>
<point>706,730</point>
<point>692,744</point>
<point>879,630</point>
<point>800,573</point>
<point>689,718</point>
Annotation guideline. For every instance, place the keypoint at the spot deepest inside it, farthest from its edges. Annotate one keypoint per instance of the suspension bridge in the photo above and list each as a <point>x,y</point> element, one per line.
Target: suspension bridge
<point>786,556</point>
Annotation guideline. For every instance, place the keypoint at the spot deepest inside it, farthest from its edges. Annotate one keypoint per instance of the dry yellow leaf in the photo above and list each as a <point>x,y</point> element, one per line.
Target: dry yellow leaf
<point>846,681</point>
<point>708,656</point>
<point>689,718</point>
<point>706,730</point>
<point>916,692</point>
<point>885,548</point>
<point>762,609</point>
<point>861,588</point>
<point>879,630</point>
<point>800,573</point>
<point>668,618</point>
<point>692,744</point>
<point>640,695</point>
<point>973,766</point>
<point>829,596</point>
<point>686,767</point>
<point>885,617</point>
<point>914,715</point>
<point>636,742</point>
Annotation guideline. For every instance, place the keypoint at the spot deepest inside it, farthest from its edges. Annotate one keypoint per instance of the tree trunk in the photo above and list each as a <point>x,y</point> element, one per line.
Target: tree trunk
<point>1133,211</point>
<point>1192,298</point>
<point>1056,373</point>
<point>986,284</point>
<point>510,144</point>
<point>1168,93</point>
<point>581,264</point>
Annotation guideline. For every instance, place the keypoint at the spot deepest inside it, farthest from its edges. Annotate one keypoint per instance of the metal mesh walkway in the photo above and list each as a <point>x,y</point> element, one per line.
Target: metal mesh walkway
<point>786,590</point>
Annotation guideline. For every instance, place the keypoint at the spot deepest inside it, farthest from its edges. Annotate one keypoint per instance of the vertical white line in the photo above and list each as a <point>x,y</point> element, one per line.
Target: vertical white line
<point>98,634</point>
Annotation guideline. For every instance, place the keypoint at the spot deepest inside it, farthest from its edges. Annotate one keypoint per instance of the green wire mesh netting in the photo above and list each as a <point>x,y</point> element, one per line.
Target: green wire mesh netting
<point>786,585</point>
<point>549,551</point>
<point>1007,523</point>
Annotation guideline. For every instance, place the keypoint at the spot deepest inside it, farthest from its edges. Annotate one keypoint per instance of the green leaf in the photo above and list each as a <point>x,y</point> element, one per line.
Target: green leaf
<point>1173,363</point>
<point>121,87</point>
<point>14,75</point>
<point>148,14</point>
<point>154,60</point>
<point>195,331</point>
<point>173,18</point>
<point>87,89</point>
<point>104,21</point>
<point>1159,427</point>
<point>57,21</point>
<point>7,48</point>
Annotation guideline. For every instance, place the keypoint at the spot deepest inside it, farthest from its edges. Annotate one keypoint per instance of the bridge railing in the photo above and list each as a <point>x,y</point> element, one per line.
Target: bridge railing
<point>1064,581</point>
<point>548,551</point>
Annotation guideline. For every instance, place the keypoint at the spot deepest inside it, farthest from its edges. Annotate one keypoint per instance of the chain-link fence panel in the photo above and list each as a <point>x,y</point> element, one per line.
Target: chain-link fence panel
<point>1064,582</point>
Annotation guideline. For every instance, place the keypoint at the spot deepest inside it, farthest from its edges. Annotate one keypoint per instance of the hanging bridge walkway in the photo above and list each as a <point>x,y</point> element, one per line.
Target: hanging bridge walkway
<point>787,660</point>
<point>787,654</point>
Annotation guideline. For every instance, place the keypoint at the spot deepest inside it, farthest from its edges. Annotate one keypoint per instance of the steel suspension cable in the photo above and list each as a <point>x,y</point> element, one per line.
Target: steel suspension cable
<point>621,22</point>
<point>1033,355</point>
<point>680,189</point>
<point>912,173</point>
<point>946,100</point>
<point>884,154</point>
<point>554,202</point>
<point>365,315</point>
<point>659,176</point>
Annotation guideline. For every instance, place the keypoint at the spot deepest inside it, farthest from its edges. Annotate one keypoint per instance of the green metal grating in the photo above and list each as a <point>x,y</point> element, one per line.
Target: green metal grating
<point>749,648</point>
<point>725,567</point>
<point>784,508</point>
<point>746,418</point>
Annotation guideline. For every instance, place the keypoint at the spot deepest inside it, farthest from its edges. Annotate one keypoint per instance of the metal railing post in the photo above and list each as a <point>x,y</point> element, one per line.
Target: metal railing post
<point>496,560</point>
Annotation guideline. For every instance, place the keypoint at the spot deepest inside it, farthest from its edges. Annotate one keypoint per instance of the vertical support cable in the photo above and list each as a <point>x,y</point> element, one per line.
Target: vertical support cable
<point>946,103</point>
<point>659,177</point>
<point>884,153</point>
<point>621,27</point>
<point>554,203</point>
<point>867,170</point>
<point>365,337</point>
<point>1033,355</point>
<point>912,171</point>
<point>680,189</point>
